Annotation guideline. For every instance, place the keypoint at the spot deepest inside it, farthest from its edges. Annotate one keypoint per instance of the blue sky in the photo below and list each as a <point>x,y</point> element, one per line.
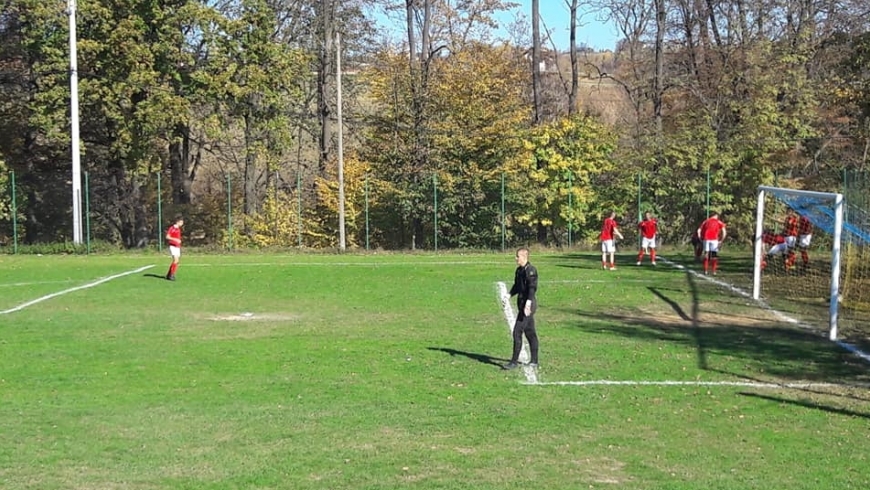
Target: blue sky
<point>556,17</point>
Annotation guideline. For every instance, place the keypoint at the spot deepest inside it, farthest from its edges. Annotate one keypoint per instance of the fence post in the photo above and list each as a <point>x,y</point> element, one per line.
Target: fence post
<point>503,217</point>
<point>639,205</point>
<point>87,214</point>
<point>14,217</point>
<point>570,207</point>
<point>367,209</point>
<point>299,205</point>
<point>230,211</point>
<point>275,208</point>
<point>159,213</point>
<point>435,190</point>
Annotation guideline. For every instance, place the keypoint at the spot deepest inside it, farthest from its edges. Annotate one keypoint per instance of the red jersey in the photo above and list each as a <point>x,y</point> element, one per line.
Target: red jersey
<point>173,236</point>
<point>772,239</point>
<point>790,225</point>
<point>711,228</point>
<point>804,226</point>
<point>607,229</point>
<point>648,228</point>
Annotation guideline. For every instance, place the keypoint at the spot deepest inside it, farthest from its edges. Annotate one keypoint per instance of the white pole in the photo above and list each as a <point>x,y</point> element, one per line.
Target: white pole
<point>835,264</point>
<point>341,235</point>
<point>74,126</point>
<point>756,268</point>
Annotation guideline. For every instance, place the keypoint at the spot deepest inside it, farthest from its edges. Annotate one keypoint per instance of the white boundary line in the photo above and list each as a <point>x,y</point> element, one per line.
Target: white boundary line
<point>33,283</point>
<point>778,314</point>
<point>70,290</point>
<point>291,263</point>
<point>738,384</point>
<point>510,317</point>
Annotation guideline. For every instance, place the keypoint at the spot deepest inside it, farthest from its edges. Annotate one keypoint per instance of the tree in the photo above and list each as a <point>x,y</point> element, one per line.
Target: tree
<point>558,160</point>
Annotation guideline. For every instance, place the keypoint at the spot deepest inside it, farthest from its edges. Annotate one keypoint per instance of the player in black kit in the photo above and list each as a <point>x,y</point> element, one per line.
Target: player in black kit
<point>525,286</point>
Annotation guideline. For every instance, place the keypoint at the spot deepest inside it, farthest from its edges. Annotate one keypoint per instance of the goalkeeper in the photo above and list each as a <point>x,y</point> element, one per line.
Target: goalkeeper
<point>525,286</point>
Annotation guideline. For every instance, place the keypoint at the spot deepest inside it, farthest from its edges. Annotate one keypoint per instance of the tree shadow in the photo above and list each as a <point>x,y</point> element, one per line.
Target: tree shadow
<point>776,350</point>
<point>809,404</point>
<point>482,358</point>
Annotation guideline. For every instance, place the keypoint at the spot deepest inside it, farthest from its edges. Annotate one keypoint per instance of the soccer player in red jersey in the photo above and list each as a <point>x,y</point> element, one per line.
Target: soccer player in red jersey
<point>805,236</point>
<point>609,230</point>
<point>712,232</point>
<point>648,230</point>
<point>776,244</point>
<point>173,238</point>
<point>790,230</point>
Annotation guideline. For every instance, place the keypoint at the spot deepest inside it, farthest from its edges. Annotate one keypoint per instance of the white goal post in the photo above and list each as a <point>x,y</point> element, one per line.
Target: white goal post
<point>836,221</point>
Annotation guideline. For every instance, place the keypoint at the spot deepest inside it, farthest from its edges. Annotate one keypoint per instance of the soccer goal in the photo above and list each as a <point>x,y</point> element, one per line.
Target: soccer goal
<point>812,259</point>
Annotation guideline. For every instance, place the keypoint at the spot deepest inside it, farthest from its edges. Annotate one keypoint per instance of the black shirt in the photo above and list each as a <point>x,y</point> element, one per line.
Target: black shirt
<point>525,286</point>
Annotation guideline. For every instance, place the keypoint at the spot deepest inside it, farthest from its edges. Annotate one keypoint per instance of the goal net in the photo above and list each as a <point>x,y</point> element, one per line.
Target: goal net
<point>812,260</point>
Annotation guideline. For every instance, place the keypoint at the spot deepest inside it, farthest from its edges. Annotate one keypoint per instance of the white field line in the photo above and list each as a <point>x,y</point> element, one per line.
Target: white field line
<point>70,290</point>
<point>778,314</point>
<point>34,283</point>
<point>510,317</point>
<point>737,384</point>
<point>342,264</point>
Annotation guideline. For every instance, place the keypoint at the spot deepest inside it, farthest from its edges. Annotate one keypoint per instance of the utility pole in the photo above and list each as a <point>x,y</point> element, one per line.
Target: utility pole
<point>342,242</point>
<point>74,126</point>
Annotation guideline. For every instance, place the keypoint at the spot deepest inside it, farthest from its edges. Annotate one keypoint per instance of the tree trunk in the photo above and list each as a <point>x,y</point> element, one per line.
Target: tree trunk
<point>575,80</point>
<point>660,64</point>
<point>325,81</point>
<point>249,204</point>
<point>180,165</point>
<point>536,60</point>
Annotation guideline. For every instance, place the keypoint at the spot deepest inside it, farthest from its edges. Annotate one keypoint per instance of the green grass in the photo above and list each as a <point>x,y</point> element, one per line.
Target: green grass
<point>381,372</point>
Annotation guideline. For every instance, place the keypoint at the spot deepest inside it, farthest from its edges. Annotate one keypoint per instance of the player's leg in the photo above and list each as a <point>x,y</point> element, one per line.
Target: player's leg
<point>805,245</point>
<point>532,336</point>
<point>707,256</point>
<point>175,252</point>
<point>519,325</point>
<point>715,259</point>
<point>604,254</point>
<point>652,251</point>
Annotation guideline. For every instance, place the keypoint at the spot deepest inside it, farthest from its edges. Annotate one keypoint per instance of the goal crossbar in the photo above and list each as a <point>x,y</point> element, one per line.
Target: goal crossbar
<point>828,217</point>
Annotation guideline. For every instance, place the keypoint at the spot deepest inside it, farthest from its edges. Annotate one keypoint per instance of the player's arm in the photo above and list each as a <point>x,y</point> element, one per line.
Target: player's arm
<point>723,233</point>
<point>532,285</point>
<point>515,289</point>
<point>616,232</point>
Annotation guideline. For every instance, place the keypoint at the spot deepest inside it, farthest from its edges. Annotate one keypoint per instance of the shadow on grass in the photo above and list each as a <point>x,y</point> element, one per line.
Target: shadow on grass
<point>740,345</point>
<point>623,261</point>
<point>154,276</point>
<point>482,358</point>
<point>809,404</point>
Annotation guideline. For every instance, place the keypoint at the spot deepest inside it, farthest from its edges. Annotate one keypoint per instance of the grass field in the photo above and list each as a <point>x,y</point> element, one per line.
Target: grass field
<point>383,372</point>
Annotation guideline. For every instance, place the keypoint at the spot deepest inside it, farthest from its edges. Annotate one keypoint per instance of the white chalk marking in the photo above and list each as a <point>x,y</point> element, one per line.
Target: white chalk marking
<point>421,263</point>
<point>70,290</point>
<point>737,384</point>
<point>510,317</point>
<point>778,314</point>
<point>33,283</point>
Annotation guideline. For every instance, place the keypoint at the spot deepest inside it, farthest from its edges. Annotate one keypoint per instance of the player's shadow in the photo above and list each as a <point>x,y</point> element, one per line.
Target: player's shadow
<point>482,358</point>
<point>154,276</point>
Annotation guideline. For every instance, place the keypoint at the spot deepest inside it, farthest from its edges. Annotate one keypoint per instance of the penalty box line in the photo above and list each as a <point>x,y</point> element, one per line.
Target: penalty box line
<point>70,290</point>
<point>707,384</point>
<point>778,314</point>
